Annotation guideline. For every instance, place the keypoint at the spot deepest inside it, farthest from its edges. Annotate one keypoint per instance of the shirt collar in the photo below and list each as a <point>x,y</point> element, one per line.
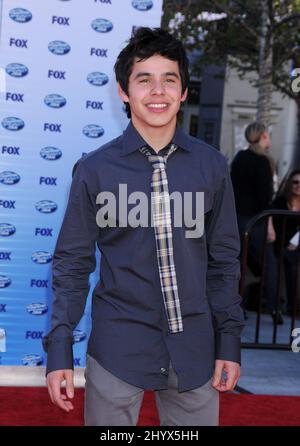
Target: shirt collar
<point>133,141</point>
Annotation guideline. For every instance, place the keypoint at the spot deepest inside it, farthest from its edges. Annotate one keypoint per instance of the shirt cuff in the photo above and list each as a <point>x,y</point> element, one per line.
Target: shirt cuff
<point>60,355</point>
<point>228,347</point>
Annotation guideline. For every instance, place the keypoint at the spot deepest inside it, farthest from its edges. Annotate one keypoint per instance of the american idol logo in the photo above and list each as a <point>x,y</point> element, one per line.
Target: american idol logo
<point>102,25</point>
<point>16,70</point>
<point>41,257</point>
<point>20,15</point>
<point>37,309</point>
<point>93,131</point>
<point>79,335</point>
<point>55,101</point>
<point>32,360</point>
<point>9,178</point>
<point>142,5</point>
<point>12,123</point>
<point>50,153</point>
<point>98,79</point>
<point>59,48</point>
<point>6,229</point>
<point>46,206</point>
<point>4,281</point>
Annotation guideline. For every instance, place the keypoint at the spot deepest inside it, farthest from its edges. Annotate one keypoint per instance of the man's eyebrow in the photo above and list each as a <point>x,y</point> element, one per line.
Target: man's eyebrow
<point>168,73</point>
<point>142,74</point>
<point>172,73</point>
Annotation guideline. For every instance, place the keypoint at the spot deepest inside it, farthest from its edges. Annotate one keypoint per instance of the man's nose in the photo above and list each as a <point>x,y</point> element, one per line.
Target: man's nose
<point>158,87</point>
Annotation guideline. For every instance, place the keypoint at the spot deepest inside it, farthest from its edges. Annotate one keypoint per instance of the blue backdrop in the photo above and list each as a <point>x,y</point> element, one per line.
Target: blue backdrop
<point>60,101</point>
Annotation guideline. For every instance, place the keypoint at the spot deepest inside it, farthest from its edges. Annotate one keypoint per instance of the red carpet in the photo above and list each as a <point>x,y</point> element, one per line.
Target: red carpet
<point>30,406</point>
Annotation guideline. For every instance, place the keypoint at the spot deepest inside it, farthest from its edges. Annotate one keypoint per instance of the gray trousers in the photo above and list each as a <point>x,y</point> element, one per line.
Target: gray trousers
<point>109,401</point>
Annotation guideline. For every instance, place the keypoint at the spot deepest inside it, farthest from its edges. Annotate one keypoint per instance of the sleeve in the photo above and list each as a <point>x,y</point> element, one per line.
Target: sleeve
<point>235,170</point>
<point>223,271</point>
<point>73,261</point>
<point>264,183</point>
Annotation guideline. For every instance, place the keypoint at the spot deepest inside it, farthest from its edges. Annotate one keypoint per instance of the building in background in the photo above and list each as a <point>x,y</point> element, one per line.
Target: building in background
<point>221,105</point>
<point>239,107</point>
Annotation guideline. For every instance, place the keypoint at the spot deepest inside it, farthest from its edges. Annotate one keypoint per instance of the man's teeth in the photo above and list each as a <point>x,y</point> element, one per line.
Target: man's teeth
<point>157,105</point>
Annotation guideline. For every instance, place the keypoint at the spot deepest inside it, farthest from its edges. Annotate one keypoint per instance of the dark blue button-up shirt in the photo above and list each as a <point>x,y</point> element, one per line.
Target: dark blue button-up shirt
<point>130,336</point>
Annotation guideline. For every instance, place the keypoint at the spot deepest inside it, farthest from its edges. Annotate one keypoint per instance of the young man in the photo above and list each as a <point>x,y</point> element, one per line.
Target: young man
<point>166,312</point>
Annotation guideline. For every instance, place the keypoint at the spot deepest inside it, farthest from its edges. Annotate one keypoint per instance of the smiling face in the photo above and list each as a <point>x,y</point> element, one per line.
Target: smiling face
<point>154,92</point>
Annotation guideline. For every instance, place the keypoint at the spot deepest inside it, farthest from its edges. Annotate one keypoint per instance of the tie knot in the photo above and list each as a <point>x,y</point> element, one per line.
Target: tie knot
<point>158,161</point>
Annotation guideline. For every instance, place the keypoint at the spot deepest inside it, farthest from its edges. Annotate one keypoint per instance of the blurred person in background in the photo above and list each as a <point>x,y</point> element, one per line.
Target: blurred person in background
<point>252,175</point>
<point>288,198</point>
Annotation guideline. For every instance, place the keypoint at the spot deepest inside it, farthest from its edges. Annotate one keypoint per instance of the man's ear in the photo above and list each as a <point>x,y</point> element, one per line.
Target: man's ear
<point>184,96</point>
<point>122,94</point>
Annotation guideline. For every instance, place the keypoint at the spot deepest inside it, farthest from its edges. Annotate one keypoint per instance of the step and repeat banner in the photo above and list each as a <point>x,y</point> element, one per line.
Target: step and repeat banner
<point>58,101</point>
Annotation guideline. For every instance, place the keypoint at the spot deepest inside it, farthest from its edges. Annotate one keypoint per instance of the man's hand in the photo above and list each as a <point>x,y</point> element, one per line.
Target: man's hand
<point>233,372</point>
<point>54,380</point>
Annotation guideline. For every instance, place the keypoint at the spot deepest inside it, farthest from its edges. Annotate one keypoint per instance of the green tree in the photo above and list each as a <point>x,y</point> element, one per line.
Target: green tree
<point>261,36</point>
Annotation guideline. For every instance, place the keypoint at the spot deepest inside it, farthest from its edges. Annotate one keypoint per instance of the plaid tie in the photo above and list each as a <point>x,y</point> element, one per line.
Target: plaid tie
<point>161,214</point>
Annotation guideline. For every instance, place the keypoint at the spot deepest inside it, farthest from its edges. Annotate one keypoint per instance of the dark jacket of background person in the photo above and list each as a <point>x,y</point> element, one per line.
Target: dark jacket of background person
<point>252,181</point>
